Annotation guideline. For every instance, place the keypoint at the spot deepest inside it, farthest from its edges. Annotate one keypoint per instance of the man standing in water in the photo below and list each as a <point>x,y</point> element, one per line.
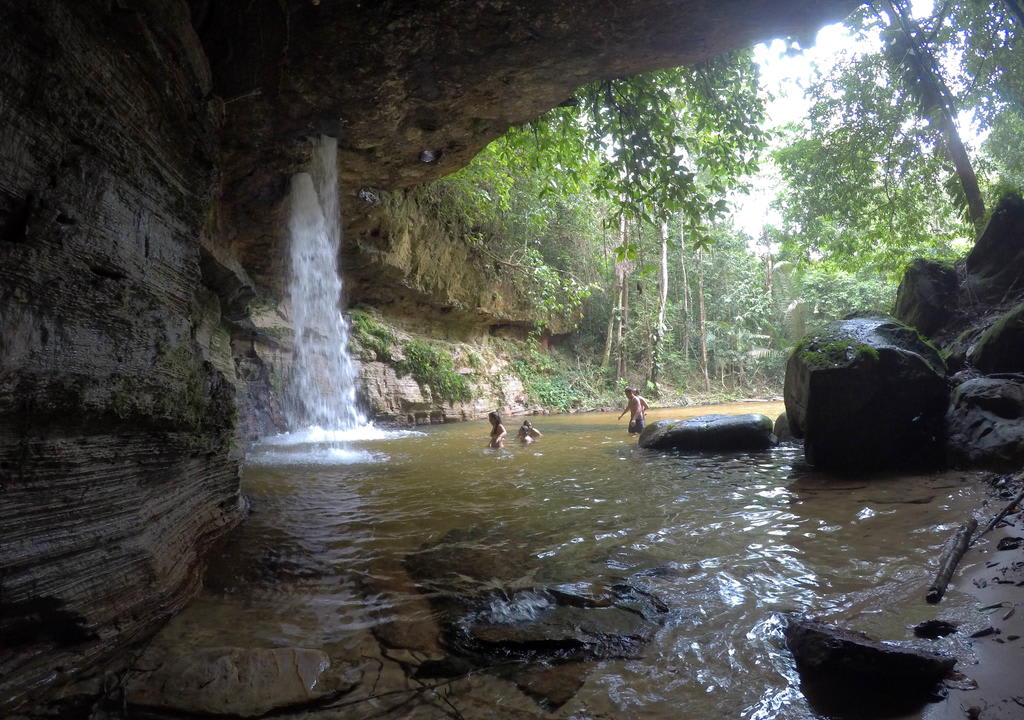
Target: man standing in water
<point>636,406</point>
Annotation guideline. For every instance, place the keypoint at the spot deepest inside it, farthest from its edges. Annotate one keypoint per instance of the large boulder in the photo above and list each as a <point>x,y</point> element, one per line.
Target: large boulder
<point>867,393</point>
<point>847,673</point>
<point>927,295</point>
<point>993,265</point>
<point>710,433</point>
<point>986,423</point>
<point>1000,349</point>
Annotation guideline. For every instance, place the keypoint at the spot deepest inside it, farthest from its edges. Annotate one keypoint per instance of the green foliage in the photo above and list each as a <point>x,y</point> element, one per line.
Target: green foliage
<point>554,383</point>
<point>475,361</point>
<point>537,203</point>
<point>371,336</point>
<point>655,144</point>
<point>869,181</point>
<point>433,369</point>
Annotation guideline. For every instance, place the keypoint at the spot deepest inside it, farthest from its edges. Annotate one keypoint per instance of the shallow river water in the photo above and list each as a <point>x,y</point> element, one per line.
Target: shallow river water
<point>727,542</point>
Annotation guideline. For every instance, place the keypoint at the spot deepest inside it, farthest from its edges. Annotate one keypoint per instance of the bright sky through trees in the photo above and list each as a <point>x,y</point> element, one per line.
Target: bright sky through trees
<point>785,73</point>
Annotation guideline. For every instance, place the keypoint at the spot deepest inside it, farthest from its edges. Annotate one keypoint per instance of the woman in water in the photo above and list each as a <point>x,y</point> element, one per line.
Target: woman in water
<point>528,433</point>
<point>498,431</point>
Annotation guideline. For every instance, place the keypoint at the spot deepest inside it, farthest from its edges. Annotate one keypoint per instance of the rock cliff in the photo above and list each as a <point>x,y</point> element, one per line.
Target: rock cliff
<point>145,151</point>
<point>116,409</point>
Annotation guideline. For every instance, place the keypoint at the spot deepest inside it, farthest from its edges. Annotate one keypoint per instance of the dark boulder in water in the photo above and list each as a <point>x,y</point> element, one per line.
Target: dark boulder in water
<point>556,624</point>
<point>847,674</point>
<point>710,433</point>
<point>867,393</point>
<point>783,433</point>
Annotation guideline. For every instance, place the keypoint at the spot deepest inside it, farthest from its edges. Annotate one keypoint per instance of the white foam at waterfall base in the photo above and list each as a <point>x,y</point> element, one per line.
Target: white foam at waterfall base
<point>321,387</point>
<point>323,447</point>
<point>315,435</point>
<point>325,456</point>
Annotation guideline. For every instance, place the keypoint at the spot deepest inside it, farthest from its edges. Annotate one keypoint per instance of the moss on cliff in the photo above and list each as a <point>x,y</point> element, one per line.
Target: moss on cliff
<point>374,340</point>
<point>433,369</point>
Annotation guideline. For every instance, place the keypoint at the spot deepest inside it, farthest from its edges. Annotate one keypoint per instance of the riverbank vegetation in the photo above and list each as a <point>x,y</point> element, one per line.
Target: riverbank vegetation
<point>616,212</point>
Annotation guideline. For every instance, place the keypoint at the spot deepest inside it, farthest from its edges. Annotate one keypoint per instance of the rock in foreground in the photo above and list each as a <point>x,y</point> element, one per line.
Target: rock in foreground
<point>576,622</point>
<point>846,674</point>
<point>867,393</point>
<point>231,681</point>
<point>710,433</point>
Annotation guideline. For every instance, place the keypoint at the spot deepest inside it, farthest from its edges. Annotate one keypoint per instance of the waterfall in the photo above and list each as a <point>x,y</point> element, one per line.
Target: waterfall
<point>322,386</point>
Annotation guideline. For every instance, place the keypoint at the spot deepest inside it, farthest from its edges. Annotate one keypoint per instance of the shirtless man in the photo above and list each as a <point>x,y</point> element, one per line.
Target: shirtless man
<point>636,406</point>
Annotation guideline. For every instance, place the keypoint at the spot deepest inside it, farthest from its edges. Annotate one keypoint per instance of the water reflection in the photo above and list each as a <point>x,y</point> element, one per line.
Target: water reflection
<point>336,550</point>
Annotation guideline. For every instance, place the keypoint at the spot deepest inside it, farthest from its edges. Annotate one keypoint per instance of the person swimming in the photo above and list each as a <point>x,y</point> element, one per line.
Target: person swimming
<point>498,431</point>
<point>528,433</point>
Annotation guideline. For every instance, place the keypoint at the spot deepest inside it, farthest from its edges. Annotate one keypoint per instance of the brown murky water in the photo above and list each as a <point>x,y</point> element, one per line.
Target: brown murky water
<point>727,542</point>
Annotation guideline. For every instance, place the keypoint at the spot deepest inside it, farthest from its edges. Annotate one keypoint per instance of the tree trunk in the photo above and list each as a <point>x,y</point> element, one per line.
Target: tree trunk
<point>610,335</point>
<point>686,296</point>
<point>623,321</point>
<point>616,313</point>
<point>702,321</point>
<point>936,102</point>
<point>658,337</point>
<point>768,262</point>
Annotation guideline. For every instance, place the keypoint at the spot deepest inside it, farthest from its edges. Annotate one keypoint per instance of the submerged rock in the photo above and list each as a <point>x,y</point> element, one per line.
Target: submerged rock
<point>555,685</point>
<point>558,624</point>
<point>782,431</point>
<point>867,392</point>
<point>847,674</point>
<point>233,681</point>
<point>986,423</point>
<point>717,433</point>
<point>934,629</point>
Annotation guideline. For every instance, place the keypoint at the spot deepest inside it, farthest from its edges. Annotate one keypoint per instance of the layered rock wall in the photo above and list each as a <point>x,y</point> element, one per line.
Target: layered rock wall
<point>116,413</point>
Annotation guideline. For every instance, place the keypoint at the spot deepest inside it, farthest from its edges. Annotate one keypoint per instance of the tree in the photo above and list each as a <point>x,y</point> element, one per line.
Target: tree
<point>908,50</point>
<point>878,174</point>
<point>660,329</point>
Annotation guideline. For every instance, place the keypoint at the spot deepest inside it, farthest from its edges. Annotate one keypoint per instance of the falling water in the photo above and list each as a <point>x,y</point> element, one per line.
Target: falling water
<point>322,385</point>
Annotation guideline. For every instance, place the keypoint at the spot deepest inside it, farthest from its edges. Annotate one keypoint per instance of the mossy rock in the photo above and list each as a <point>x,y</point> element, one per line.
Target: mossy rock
<point>867,392</point>
<point>1000,349</point>
<point>926,295</point>
<point>995,265</point>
